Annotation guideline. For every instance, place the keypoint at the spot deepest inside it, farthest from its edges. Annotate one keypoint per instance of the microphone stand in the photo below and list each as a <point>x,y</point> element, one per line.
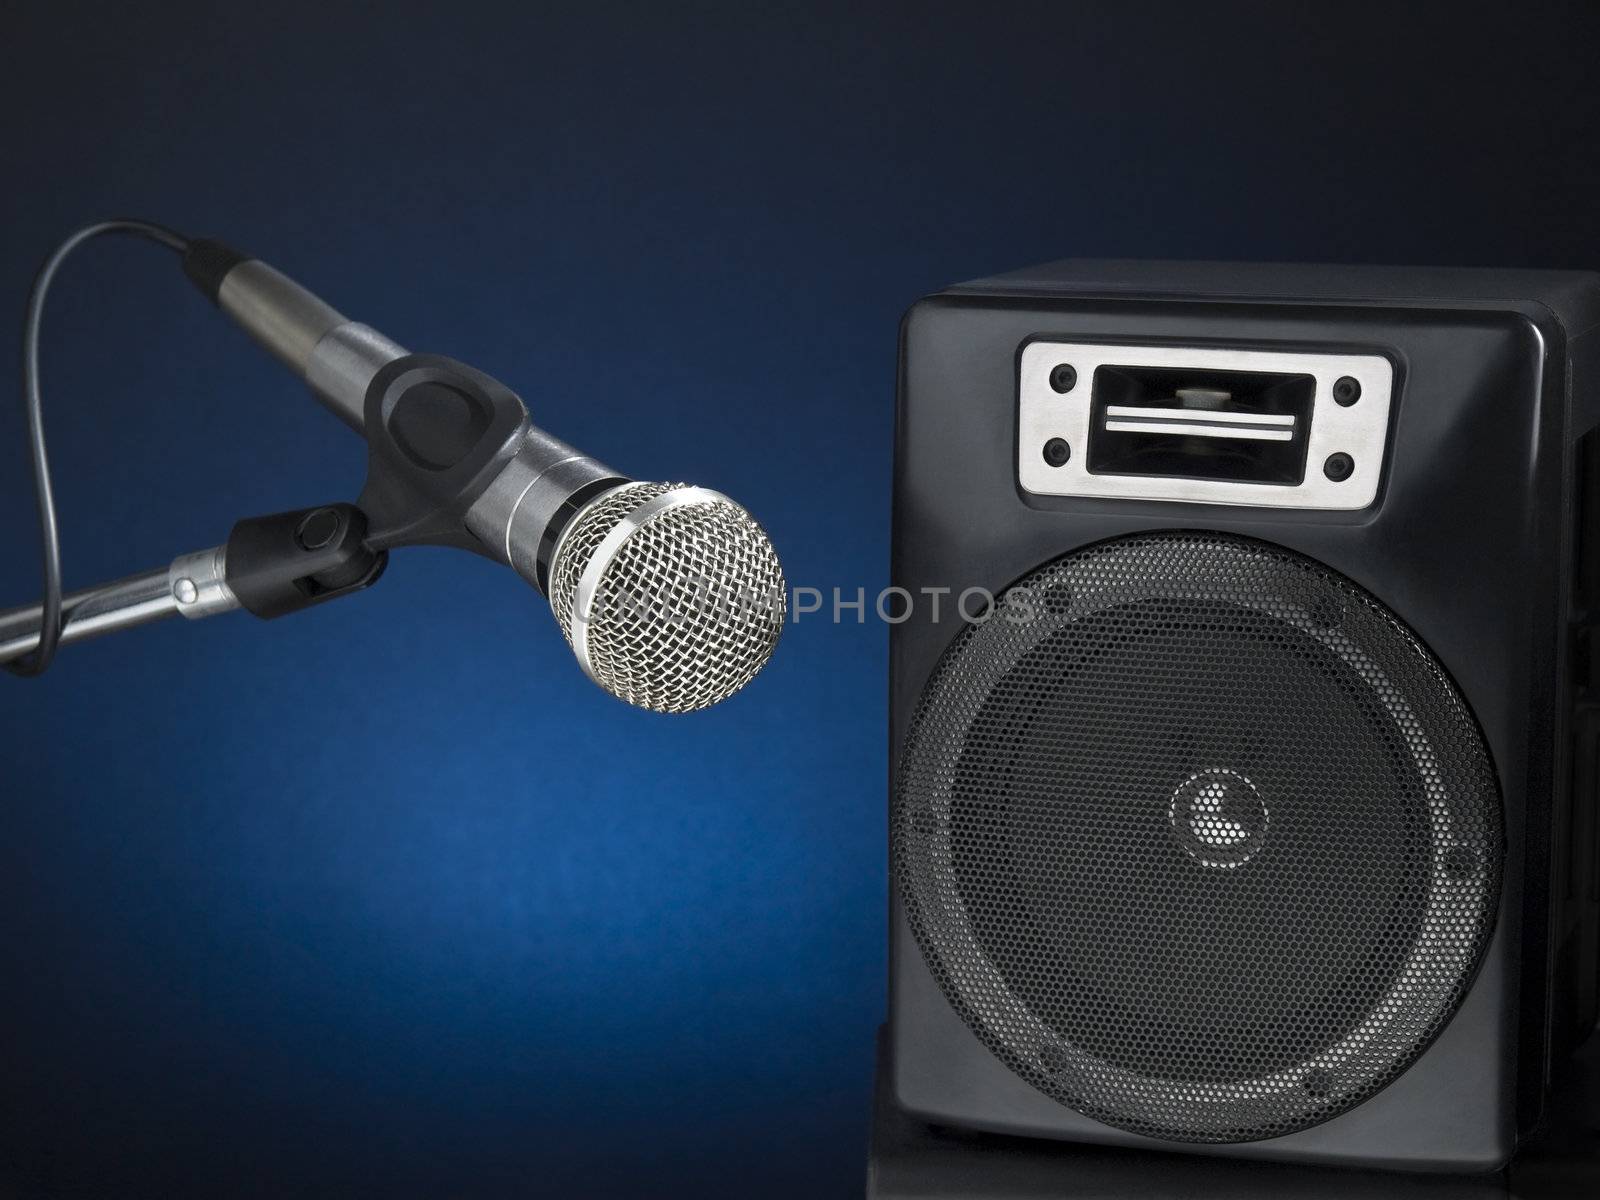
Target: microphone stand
<point>452,460</point>
<point>440,440</point>
<point>271,565</point>
<point>120,604</point>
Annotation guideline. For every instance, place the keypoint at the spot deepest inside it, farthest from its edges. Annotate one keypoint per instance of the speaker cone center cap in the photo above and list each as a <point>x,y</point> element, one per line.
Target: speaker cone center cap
<point>1218,818</point>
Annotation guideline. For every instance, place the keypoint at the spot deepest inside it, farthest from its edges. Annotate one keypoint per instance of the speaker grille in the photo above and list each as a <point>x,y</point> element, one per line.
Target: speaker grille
<point>1197,837</point>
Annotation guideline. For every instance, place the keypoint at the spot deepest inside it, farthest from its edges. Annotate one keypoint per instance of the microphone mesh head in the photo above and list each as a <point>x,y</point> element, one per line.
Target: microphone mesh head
<point>671,596</point>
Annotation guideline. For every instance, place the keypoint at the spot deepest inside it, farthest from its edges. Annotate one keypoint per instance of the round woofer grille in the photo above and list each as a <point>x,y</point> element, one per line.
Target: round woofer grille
<point>1198,838</point>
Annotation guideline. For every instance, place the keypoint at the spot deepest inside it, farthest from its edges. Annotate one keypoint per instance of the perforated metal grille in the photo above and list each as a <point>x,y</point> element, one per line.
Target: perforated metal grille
<point>583,537</point>
<point>684,611</point>
<point>1197,837</point>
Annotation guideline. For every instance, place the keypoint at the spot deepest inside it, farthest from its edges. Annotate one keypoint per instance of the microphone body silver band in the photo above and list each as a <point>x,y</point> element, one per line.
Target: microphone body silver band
<point>342,365</point>
<point>336,357</point>
<point>512,515</point>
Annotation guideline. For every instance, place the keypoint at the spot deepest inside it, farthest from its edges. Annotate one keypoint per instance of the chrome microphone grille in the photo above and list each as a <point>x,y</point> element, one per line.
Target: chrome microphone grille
<point>671,596</point>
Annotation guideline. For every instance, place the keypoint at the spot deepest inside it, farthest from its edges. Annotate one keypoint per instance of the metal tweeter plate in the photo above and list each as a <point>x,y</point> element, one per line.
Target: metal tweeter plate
<point>1360,430</point>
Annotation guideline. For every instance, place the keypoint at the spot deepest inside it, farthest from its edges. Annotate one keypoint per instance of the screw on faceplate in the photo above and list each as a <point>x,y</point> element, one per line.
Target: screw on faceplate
<point>1346,391</point>
<point>1064,377</point>
<point>1339,467</point>
<point>1056,452</point>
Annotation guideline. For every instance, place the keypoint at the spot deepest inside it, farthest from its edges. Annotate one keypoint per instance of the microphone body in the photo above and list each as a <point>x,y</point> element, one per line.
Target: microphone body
<point>517,516</point>
<point>670,596</point>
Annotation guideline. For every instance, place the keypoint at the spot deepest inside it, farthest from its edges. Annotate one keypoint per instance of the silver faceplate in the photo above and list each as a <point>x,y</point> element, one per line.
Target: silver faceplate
<point>1360,430</point>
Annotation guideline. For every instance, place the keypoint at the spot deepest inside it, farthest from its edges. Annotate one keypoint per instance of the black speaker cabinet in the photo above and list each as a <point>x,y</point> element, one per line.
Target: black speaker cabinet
<point>1254,815</point>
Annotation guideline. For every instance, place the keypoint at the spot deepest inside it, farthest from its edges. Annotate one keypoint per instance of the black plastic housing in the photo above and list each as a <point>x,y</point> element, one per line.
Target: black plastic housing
<point>286,562</point>
<point>1482,538</point>
<point>909,1160</point>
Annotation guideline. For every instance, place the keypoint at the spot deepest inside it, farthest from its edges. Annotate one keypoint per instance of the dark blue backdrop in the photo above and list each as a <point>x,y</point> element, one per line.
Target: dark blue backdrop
<point>385,898</point>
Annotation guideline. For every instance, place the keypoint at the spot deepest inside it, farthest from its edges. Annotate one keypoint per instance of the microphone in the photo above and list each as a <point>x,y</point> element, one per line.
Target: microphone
<point>670,596</point>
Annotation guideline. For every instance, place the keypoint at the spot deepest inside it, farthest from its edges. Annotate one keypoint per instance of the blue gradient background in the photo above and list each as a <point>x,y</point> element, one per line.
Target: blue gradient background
<point>385,899</point>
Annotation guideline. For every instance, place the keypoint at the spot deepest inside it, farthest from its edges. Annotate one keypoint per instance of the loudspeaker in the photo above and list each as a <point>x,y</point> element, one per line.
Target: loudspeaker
<point>1243,733</point>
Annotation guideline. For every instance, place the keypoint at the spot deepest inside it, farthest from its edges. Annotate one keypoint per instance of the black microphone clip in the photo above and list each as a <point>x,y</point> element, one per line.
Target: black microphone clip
<point>438,434</point>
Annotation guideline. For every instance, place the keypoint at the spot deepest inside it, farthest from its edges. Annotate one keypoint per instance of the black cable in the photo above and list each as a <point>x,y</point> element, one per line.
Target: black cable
<point>49,532</point>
